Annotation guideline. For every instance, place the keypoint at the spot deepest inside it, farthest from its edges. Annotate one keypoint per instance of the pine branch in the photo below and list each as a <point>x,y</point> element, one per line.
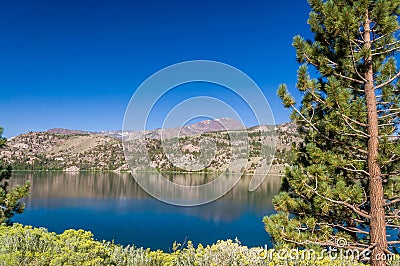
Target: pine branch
<point>383,103</point>
<point>360,221</point>
<point>348,78</point>
<point>331,62</point>
<point>350,229</point>
<point>391,109</point>
<point>392,159</point>
<point>318,99</point>
<point>395,173</point>
<point>355,170</point>
<point>354,88</point>
<point>385,46</point>
<point>362,134</point>
<point>388,251</point>
<point>388,81</point>
<point>385,35</point>
<point>351,135</point>
<point>392,202</point>
<point>396,216</point>
<point>354,121</point>
<point>393,226</point>
<point>345,145</point>
<point>359,41</point>
<point>308,59</point>
<point>355,43</point>
<point>355,64</point>
<point>387,124</point>
<point>386,51</point>
<point>348,205</point>
<point>303,117</point>
<point>389,115</point>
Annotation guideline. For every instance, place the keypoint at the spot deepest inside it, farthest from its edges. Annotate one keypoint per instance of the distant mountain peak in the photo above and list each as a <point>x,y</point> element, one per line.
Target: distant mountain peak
<point>65,131</point>
<point>205,126</point>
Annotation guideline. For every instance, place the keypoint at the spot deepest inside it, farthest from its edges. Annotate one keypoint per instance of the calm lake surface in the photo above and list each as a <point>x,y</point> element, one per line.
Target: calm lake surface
<point>114,207</point>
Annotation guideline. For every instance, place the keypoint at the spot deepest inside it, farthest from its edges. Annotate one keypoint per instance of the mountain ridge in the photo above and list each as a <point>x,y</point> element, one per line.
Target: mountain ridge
<point>198,128</point>
<point>74,150</point>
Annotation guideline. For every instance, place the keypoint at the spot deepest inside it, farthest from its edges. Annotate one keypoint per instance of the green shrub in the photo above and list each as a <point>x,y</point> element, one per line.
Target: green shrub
<point>25,245</point>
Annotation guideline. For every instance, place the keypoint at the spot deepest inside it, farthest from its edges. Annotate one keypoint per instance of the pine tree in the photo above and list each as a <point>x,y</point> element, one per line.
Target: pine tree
<point>10,198</point>
<point>344,183</point>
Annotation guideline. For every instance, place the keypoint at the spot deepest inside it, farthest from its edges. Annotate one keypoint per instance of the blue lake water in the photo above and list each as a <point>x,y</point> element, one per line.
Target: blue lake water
<point>114,207</point>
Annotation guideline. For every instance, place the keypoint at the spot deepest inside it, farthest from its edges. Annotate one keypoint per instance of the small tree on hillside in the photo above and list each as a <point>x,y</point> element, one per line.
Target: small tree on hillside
<point>344,185</point>
<point>9,198</point>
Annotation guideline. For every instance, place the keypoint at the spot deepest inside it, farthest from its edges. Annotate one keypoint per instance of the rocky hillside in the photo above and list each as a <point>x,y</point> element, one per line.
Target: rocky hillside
<point>74,150</point>
<point>69,152</point>
<point>186,152</point>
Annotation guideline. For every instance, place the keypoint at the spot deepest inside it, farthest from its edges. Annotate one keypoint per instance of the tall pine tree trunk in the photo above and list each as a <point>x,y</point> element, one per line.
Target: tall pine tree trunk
<point>377,223</point>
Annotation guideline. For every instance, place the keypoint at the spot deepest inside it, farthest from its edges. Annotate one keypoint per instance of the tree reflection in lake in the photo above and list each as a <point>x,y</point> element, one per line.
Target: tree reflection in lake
<point>113,206</point>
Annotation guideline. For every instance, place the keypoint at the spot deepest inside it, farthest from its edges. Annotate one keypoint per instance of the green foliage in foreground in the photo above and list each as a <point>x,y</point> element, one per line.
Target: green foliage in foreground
<point>24,245</point>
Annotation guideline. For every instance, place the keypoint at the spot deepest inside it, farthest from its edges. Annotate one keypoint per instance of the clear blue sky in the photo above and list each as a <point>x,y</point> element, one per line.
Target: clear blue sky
<point>75,64</point>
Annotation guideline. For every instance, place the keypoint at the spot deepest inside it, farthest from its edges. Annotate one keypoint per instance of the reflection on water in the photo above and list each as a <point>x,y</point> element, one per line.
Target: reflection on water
<point>113,206</point>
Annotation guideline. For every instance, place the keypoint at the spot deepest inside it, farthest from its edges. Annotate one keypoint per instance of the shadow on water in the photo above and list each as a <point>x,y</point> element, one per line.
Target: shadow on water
<point>114,207</point>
